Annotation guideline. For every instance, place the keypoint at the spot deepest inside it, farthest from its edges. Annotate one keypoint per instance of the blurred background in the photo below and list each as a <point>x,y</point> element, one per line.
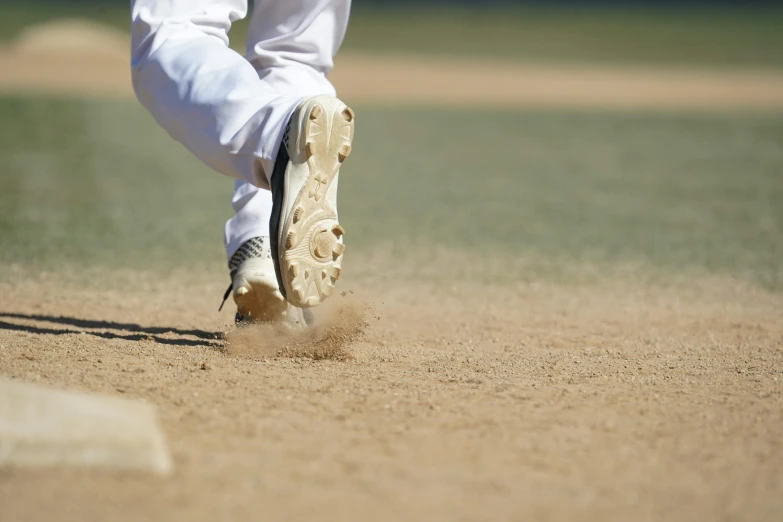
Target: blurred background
<point>691,32</point>
<point>565,134</point>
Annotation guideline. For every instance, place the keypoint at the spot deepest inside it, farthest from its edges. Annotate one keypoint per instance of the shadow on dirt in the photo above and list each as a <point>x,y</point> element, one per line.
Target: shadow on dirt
<point>97,329</point>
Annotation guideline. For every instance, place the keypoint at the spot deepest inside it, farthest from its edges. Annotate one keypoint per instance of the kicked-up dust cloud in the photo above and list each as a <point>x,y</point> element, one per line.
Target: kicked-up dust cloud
<point>338,325</point>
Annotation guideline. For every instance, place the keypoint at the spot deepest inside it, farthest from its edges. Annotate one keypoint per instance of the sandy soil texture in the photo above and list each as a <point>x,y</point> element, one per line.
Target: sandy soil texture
<point>463,403</point>
<point>77,58</point>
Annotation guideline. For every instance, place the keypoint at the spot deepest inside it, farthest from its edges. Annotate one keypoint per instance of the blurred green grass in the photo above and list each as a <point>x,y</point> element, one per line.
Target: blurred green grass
<point>96,184</point>
<point>748,37</point>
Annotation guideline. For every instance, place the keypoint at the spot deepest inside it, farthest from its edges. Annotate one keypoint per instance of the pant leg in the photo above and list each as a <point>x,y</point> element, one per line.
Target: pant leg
<point>207,96</point>
<point>252,207</point>
<point>291,44</point>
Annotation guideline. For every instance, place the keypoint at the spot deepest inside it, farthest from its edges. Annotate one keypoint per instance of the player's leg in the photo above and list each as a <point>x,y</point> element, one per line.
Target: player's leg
<point>302,77</point>
<point>291,44</point>
<point>206,95</point>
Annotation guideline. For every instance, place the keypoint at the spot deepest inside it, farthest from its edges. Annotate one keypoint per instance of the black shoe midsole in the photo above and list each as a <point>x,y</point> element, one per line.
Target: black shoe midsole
<point>277,185</point>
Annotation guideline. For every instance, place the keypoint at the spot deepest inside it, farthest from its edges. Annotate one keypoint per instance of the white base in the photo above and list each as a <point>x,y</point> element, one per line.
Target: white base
<point>41,427</point>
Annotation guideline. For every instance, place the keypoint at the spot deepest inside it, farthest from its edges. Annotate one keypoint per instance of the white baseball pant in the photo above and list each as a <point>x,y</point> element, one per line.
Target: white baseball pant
<point>229,110</point>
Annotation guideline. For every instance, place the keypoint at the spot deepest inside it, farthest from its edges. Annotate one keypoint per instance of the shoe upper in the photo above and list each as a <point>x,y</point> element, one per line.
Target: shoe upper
<point>255,288</point>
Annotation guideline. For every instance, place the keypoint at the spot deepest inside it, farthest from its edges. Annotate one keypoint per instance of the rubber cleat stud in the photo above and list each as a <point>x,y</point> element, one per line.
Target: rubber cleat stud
<point>343,153</point>
<point>290,240</point>
<point>332,272</point>
<point>298,214</point>
<point>338,231</point>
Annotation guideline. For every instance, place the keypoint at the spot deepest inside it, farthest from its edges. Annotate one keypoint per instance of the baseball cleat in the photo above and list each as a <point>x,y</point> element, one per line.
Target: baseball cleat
<point>306,237</point>
<point>255,290</point>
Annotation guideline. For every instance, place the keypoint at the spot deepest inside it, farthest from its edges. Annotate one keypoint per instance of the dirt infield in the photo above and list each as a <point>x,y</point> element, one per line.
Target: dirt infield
<point>609,402</point>
<point>77,58</point>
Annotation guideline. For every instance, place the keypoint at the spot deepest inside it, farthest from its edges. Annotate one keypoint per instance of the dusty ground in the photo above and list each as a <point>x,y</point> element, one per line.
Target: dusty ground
<point>80,58</point>
<point>464,403</point>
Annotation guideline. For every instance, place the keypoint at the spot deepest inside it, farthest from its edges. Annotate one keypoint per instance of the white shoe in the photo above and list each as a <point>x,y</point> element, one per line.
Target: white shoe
<point>306,238</point>
<point>255,289</point>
